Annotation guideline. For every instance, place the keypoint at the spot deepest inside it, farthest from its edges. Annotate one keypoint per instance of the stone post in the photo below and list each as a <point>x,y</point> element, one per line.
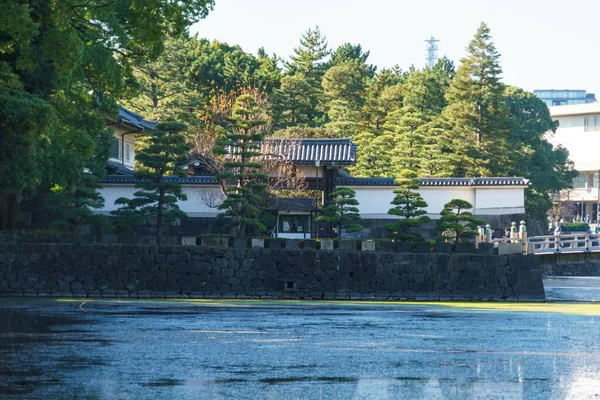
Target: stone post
<point>514,234</point>
<point>523,236</point>
<point>488,233</point>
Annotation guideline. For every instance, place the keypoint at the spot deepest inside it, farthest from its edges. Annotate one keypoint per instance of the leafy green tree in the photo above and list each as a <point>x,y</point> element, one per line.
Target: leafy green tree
<point>71,208</point>
<point>456,219</point>
<point>410,206</point>
<point>243,177</point>
<point>67,53</point>
<point>157,165</point>
<point>476,111</point>
<point>531,155</point>
<point>342,212</point>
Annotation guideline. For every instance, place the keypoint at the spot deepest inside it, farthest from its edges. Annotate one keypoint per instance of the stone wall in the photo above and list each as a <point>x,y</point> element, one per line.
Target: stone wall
<point>576,264</point>
<point>142,271</point>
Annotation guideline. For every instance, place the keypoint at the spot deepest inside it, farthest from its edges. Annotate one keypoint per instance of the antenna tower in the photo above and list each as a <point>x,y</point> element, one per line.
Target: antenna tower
<point>431,49</point>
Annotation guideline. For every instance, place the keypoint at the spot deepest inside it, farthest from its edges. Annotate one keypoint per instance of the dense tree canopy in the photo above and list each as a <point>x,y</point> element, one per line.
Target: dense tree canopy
<point>66,63</point>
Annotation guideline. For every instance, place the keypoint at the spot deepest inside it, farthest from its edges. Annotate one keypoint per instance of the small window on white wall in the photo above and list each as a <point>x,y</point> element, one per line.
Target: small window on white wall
<point>128,152</point>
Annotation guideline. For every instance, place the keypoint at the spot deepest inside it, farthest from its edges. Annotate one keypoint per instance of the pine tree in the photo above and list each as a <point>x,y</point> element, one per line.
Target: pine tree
<point>243,176</point>
<point>308,58</point>
<point>291,104</point>
<point>456,221</point>
<point>157,165</point>
<point>476,111</point>
<point>409,205</point>
<point>407,128</point>
<point>342,212</point>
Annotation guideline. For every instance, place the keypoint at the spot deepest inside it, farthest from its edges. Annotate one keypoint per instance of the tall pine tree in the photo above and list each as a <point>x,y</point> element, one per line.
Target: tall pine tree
<point>157,165</point>
<point>243,174</point>
<point>476,111</point>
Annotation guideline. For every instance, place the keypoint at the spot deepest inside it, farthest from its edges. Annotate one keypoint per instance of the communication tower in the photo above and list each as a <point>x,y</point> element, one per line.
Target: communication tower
<point>431,49</point>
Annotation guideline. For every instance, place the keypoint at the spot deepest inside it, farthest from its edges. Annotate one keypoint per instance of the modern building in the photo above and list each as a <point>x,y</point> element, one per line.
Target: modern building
<point>579,132</point>
<point>565,97</point>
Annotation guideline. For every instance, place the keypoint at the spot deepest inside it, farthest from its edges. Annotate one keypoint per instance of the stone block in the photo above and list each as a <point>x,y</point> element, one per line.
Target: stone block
<point>109,239</point>
<point>367,245</point>
<point>188,240</point>
<point>257,242</point>
<point>485,248</point>
<point>465,247</point>
<point>147,240</point>
<point>509,248</point>
<point>128,239</point>
<point>404,247</point>
<point>310,244</point>
<point>443,247</point>
<point>219,242</point>
<point>423,247</point>
<point>8,237</point>
<point>292,244</point>
<point>347,245</point>
<point>326,244</point>
<point>169,241</point>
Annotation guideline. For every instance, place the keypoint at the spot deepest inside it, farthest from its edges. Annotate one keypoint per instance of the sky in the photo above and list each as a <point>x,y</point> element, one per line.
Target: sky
<point>544,44</point>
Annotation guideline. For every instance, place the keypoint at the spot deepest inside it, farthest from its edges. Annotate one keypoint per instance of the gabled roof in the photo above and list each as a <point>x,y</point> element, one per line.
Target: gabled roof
<point>428,182</point>
<point>307,151</point>
<point>116,168</point>
<point>130,118</point>
<point>299,204</point>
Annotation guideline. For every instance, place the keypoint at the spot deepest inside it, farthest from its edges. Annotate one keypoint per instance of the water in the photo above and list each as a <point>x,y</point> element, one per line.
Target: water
<point>109,349</point>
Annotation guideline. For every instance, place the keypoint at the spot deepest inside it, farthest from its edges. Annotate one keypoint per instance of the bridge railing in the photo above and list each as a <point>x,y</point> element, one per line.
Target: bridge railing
<point>567,243</point>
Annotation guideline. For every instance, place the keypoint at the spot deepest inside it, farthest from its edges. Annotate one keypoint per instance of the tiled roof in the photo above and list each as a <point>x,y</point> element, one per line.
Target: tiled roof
<point>427,182</point>
<point>300,204</point>
<point>131,118</point>
<point>307,151</point>
<point>190,180</point>
<point>116,168</point>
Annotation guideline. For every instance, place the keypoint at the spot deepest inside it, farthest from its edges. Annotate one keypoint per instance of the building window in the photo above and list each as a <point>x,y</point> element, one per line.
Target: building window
<point>591,124</point>
<point>580,181</point>
<point>128,152</point>
<point>115,150</point>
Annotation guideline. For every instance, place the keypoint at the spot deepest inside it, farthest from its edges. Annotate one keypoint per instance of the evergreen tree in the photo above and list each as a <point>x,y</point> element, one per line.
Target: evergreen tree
<point>308,62</point>
<point>352,54</point>
<point>476,111</point>
<point>373,156</point>
<point>408,130</point>
<point>73,61</point>
<point>308,58</point>
<point>409,205</point>
<point>71,208</point>
<point>342,212</point>
<point>243,176</point>
<point>157,165</point>
<point>456,221</point>
<point>291,104</point>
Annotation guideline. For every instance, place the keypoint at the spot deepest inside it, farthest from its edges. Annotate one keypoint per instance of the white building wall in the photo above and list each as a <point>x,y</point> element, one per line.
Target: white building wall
<point>194,206</point>
<point>374,201</point>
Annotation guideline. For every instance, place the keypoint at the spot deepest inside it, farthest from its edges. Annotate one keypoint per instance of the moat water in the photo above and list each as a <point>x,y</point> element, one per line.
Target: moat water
<point>111,349</point>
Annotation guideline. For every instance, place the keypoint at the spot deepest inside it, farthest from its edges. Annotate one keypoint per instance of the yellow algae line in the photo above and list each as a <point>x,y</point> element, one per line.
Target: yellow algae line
<point>585,309</point>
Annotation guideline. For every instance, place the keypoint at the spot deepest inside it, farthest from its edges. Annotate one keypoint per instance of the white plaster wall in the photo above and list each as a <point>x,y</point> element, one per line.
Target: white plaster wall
<point>193,206</point>
<point>583,146</point>
<point>498,198</point>
<point>436,197</point>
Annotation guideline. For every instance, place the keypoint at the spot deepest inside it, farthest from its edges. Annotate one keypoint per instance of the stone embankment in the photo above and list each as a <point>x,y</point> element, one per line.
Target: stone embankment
<point>150,271</point>
<point>565,264</point>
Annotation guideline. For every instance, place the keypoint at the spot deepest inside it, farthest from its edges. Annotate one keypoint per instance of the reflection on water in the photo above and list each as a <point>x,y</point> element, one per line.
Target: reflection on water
<point>218,350</point>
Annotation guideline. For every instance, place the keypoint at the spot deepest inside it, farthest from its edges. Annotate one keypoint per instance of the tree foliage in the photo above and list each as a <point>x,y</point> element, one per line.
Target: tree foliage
<point>158,161</point>
<point>456,221</point>
<point>410,206</point>
<point>342,212</point>
<point>243,174</point>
